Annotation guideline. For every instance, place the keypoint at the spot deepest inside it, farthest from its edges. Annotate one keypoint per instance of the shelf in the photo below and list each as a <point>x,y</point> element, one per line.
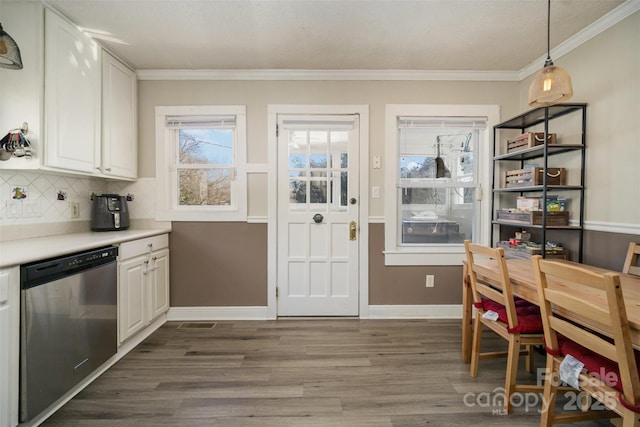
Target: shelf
<point>537,188</point>
<point>538,151</point>
<point>536,116</point>
<point>548,227</point>
<point>533,121</point>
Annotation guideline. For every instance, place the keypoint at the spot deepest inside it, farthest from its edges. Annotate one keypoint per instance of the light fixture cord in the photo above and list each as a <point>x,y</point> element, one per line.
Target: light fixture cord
<point>548,62</point>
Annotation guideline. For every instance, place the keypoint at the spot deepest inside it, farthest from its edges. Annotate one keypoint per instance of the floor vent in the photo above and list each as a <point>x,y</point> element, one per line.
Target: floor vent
<point>197,325</point>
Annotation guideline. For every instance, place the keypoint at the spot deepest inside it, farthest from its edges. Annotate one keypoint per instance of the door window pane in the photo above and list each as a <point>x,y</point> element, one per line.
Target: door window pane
<point>298,191</point>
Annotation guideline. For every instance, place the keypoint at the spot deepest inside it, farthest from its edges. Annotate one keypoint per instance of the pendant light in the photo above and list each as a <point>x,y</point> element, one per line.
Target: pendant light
<point>552,84</point>
<point>9,52</point>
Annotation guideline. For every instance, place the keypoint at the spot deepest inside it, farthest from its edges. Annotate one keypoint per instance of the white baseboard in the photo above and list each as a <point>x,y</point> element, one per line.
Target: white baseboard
<point>217,313</point>
<point>444,311</point>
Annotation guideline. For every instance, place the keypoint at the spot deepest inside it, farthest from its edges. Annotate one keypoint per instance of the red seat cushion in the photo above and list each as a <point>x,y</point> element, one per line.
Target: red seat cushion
<point>529,320</point>
<point>597,365</point>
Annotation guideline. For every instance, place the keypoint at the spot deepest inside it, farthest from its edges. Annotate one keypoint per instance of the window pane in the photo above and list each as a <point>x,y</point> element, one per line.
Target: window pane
<point>437,153</point>
<point>435,215</point>
<point>298,149</point>
<point>417,167</point>
<point>344,184</point>
<point>206,146</point>
<point>211,187</point>
<point>318,191</point>
<point>318,148</point>
<point>298,191</point>
<point>318,187</point>
<point>318,160</point>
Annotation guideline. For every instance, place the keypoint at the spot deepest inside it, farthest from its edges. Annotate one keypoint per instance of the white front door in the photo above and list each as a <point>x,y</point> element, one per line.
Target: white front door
<point>317,215</point>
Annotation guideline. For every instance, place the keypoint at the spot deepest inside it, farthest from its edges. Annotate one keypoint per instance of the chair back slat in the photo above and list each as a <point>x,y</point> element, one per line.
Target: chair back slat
<point>578,306</point>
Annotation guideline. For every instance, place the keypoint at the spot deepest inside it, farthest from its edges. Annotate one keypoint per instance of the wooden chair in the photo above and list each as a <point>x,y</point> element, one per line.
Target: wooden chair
<point>631,261</point>
<point>613,382</point>
<point>519,322</point>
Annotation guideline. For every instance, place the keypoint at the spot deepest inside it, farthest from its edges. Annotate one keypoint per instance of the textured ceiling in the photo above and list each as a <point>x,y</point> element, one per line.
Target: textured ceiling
<point>482,35</point>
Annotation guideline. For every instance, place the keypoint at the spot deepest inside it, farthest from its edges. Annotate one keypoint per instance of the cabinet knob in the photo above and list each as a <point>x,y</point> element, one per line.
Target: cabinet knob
<point>108,169</point>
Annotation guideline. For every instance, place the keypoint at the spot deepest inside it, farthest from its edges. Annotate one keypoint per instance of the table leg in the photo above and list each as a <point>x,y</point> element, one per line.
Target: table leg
<point>467,321</point>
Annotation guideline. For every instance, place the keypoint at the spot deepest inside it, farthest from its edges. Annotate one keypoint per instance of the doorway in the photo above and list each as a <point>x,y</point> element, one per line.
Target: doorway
<point>319,201</point>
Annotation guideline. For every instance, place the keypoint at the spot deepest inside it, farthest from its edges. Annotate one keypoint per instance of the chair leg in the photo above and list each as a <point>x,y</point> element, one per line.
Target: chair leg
<point>512,371</point>
<point>549,395</point>
<point>529,358</point>
<point>475,348</point>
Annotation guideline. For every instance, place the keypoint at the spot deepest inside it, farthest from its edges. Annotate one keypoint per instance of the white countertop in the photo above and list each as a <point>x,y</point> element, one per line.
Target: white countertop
<point>22,251</point>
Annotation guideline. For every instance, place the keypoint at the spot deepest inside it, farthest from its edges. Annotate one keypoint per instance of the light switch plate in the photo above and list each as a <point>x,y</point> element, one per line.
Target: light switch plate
<point>377,162</point>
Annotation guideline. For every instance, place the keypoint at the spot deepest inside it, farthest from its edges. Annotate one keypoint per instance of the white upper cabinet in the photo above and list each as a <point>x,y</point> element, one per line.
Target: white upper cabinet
<point>78,100</point>
<point>72,97</point>
<point>119,134</point>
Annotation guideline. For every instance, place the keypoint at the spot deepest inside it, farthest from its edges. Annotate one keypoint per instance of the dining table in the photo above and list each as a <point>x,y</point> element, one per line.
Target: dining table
<point>523,285</point>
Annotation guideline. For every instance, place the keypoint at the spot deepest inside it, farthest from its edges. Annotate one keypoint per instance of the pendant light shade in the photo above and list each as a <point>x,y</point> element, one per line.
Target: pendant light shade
<point>552,84</point>
<point>9,52</point>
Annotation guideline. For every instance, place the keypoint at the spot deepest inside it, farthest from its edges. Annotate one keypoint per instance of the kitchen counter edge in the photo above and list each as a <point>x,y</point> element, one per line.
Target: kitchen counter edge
<point>23,251</point>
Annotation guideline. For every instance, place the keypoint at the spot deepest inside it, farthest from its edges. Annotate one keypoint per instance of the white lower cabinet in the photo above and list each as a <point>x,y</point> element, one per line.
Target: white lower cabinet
<point>143,284</point>
<point>9,343</point>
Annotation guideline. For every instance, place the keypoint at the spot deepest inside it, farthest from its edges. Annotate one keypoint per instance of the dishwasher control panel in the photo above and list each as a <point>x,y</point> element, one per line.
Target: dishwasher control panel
<point>36,273</point>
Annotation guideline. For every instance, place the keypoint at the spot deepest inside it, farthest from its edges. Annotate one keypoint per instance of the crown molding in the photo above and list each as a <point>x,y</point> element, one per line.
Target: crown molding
<point>607,21</point>
<point>401,75</point>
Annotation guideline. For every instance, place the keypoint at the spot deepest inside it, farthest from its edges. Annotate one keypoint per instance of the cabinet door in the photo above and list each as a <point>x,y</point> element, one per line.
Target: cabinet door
<point>72,97</point>
<point>9,343</point>
<point>5,346</point>
<point>119,142</point>
<point>159,282</point>
<point>132,297</point>
<point>5,401</point>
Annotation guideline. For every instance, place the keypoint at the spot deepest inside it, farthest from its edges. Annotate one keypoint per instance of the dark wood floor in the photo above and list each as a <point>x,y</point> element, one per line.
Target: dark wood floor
<point>298,372</point>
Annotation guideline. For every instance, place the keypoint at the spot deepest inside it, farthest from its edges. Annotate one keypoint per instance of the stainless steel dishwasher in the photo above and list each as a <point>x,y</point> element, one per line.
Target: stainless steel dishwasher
<point>68,324</point>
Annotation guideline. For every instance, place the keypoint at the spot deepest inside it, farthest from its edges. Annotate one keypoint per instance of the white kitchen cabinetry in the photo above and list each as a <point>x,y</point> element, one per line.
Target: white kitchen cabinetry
<point>119,143</point>
<point>9,343</point>
<point>78,100</point>
<point>72,97</point>
<point>143,284</point>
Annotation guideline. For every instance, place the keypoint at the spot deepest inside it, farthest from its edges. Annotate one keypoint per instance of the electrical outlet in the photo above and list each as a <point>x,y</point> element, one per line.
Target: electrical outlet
<point>430,281</point>
<point>74,210</point>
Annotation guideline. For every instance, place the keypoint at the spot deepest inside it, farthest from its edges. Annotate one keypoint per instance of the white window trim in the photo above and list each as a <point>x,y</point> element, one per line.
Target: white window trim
<point>166,209</point>
<point>434,254</point>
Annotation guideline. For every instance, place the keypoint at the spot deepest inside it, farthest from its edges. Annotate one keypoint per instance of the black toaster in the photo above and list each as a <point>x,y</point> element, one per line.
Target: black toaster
<point>109,212</point>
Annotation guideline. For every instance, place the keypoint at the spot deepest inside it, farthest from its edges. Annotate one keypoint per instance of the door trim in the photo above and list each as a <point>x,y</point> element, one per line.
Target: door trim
<point>272,187</point>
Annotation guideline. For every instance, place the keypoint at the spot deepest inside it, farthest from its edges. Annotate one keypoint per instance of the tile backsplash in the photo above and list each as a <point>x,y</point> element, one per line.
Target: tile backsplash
<point>36,198</point>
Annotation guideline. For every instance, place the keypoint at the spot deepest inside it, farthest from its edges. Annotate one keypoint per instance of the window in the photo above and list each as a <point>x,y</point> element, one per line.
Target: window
<point>200,163</point>
<point>433,180</point>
